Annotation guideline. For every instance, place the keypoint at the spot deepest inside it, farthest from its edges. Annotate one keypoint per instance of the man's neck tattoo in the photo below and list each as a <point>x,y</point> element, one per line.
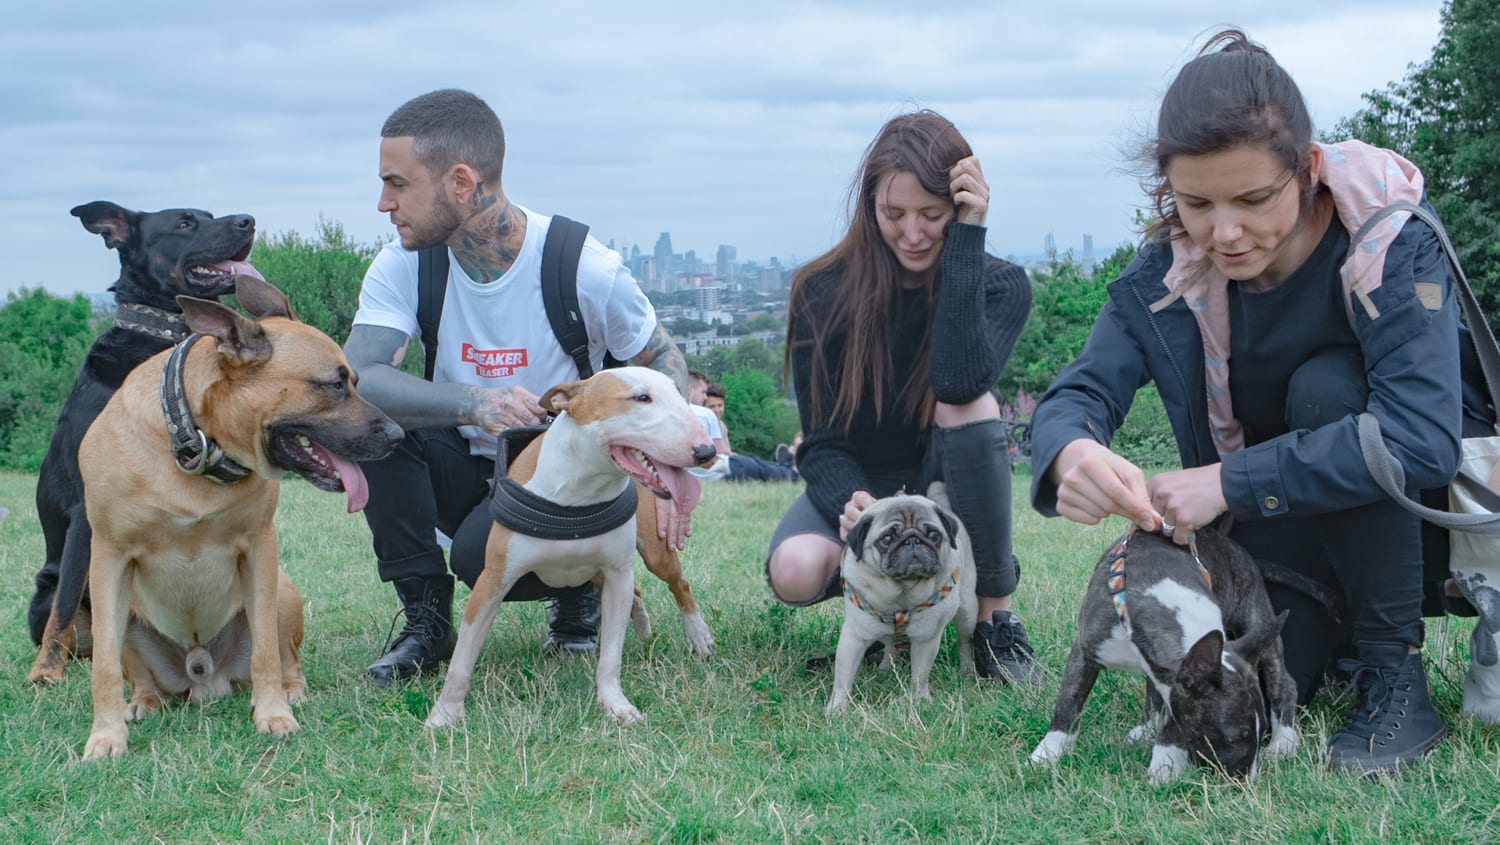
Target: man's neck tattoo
<point>492,237</point>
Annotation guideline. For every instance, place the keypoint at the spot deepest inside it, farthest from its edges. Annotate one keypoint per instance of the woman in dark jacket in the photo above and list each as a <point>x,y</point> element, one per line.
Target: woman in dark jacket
<point>895,338</point>
<point>1266,333</point>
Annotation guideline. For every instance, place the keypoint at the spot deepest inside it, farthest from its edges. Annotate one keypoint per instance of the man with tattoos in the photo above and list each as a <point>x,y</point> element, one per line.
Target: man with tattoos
<point>440,164</point>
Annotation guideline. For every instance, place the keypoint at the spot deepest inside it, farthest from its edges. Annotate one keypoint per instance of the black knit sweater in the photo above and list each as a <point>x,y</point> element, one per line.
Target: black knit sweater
<point>982,305</point>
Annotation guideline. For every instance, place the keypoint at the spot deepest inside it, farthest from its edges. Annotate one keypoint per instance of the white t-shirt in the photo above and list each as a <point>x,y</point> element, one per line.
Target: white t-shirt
<point>720,467</point>
<point>497,334</point>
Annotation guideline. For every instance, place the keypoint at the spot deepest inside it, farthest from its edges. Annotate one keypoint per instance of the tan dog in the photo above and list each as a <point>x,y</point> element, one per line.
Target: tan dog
<point>617,425</point>
<point>184,573</point>
<point>908,571</point>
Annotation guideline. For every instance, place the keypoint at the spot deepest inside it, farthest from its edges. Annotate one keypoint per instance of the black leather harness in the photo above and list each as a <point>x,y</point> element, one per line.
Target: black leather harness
<point>524,512</point>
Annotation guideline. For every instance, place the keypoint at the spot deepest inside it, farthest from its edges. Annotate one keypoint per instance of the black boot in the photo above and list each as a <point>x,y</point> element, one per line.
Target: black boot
<point>973,462</point>
<point>428,637</point>
<point>573,623</point>
<point>1002,652</point>
<point>1393,721</point>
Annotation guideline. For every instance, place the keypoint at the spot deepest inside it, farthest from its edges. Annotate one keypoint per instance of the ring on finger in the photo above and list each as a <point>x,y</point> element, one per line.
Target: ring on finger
<point>1167,528</point>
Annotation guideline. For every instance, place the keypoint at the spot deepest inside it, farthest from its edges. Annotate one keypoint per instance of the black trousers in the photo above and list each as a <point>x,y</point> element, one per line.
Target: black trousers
<point>432,482</point>
<point>1372,555</point>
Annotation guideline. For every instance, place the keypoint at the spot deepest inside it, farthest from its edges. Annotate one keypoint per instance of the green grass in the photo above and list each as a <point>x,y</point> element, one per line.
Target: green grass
<point>734,749</point>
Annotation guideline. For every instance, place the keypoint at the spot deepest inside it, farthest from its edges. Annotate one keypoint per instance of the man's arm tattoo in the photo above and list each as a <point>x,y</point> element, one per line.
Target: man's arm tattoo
<point>662,355</point>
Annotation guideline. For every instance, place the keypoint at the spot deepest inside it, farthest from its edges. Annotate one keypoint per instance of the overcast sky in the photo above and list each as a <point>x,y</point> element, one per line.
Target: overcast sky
<point>739,125</point>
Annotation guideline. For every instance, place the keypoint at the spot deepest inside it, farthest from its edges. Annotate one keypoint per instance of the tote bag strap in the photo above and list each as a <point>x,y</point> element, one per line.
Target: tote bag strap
<point>1382,465</point>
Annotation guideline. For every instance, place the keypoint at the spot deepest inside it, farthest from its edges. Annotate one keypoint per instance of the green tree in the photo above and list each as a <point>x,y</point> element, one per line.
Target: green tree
<point>685,327</point>
<point>1445,117</point>
<point>757,417</point>
<point>321,275</point>
<point>1065,301</point>
<point>43,340</point>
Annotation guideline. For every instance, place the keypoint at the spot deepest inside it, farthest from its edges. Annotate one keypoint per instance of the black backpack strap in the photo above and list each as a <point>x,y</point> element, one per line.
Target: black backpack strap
<point>560,254</point>
<point>432,286</point>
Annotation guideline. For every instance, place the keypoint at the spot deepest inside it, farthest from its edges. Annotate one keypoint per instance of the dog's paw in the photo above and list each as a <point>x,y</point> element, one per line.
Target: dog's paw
<point>699,639</point>
<point>296,691</point>
<point>837,706</point>
<point>276,723</point>
<point>141,706</point>
<point>1284,741</point>
<point>445,715</point>
<point>1168,762</point>
<point>104,743</point>
<point>623,711</point>
<point>1051,749</point>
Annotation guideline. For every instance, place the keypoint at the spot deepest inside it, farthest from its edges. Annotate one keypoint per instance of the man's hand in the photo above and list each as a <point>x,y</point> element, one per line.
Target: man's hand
<point>672,526</point>
<point>852,509</point>
<point>496,409</point>
<point>1093,482</point>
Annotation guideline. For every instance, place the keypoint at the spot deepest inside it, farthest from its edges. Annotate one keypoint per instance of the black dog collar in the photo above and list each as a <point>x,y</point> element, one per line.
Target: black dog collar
<point>151,321</point>
<point>193,451</point>
<point>526,513</point>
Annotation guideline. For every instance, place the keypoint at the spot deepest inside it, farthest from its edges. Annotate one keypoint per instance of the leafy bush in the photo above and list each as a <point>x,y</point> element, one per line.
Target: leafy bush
<point>43,340</point>
<point>320,275</point>
<point>757,417</point>
<point>1146,438</point>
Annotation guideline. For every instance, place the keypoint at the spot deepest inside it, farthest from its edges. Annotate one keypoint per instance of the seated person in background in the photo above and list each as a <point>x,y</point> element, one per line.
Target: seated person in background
<point>729,466</point>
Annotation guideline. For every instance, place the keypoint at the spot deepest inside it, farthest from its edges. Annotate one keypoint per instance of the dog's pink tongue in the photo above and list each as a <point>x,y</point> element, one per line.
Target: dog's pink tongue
<point>354,482</point>
<point>239,268</point>
<point>684,488</point>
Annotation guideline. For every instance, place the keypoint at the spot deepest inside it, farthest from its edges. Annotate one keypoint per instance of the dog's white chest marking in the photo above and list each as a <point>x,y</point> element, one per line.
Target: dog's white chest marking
<point>1196,613</point>
<point>568,563</point>
<point>189,599</point>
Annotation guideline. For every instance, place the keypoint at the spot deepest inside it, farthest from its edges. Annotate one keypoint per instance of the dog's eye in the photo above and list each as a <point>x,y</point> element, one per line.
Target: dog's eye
<point>641,397</point>
<point>185,221</point>
<point>934,535</point>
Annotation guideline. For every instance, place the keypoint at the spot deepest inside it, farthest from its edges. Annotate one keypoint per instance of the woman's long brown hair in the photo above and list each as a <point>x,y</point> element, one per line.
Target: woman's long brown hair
<point>926,145</point>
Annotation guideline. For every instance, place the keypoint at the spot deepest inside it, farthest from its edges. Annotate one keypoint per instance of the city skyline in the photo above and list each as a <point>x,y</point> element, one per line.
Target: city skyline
<point>665,118</point>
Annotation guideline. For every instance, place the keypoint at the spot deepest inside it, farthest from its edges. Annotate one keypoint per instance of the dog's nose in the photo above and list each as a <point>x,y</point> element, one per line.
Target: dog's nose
<point>704,455</point>
<point>243,221</point>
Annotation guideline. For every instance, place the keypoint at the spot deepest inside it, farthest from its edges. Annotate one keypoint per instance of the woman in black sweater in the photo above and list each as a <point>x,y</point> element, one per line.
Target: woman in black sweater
<point>895,338</point>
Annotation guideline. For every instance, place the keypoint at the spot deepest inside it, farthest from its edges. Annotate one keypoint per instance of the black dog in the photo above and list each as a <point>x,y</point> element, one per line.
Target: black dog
<point>162,254</point>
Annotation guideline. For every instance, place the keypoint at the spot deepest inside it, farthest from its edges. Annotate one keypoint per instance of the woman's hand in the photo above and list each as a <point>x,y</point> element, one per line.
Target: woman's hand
<point>1093,482</point>
<point>1187,499</point>
<point>852,509</point>
<point>970,192</point>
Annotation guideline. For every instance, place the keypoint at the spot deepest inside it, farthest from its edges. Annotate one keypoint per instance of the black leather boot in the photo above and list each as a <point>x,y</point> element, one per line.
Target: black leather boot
<point>573,622</point>
<point>428,637</point>
<point>1393,722</point>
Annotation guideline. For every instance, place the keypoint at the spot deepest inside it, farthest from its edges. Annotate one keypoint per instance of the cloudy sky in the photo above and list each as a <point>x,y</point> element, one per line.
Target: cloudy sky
<point>720,123</point>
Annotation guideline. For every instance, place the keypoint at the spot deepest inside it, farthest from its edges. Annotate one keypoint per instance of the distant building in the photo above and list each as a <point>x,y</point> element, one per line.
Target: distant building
<point>709,298</point>
<point>768,280</point>
<point>724,263</point>
<point>663,254</point>
<point>1050,246</point>
<point>1088,252</point>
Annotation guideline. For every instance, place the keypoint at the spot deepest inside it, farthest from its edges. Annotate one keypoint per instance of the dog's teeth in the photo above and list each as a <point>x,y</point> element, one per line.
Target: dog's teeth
<point>303,441</point>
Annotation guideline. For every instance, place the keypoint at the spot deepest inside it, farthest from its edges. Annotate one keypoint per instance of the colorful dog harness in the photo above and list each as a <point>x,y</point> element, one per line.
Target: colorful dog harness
<point>898,619</point>
<point>1114,561</point>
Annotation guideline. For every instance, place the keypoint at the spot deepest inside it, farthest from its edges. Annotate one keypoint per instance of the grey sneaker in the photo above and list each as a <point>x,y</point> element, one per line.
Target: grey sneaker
<point>1002,653</point>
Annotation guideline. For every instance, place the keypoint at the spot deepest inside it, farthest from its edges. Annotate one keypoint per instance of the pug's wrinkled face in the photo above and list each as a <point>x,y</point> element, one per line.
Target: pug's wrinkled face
<point>904,537</point>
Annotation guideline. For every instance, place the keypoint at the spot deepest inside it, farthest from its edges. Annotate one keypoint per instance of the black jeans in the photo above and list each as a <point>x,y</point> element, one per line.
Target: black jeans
<point>432,482</point>
<point>1371,554</point>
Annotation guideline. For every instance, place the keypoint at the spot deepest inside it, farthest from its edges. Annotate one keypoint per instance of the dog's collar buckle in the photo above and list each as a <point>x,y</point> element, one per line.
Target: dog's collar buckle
<point>192,449</point>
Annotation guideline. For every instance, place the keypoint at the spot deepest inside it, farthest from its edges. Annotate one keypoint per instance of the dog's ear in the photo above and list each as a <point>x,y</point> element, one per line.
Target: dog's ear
<point>241,341</point>
<point>950,525</point>
<point>1255,642</point>
<point>261,298</point>
<point>557,398</point>
<point>857,535</point>
<point>1202,669</point>
<point>116,224</point>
